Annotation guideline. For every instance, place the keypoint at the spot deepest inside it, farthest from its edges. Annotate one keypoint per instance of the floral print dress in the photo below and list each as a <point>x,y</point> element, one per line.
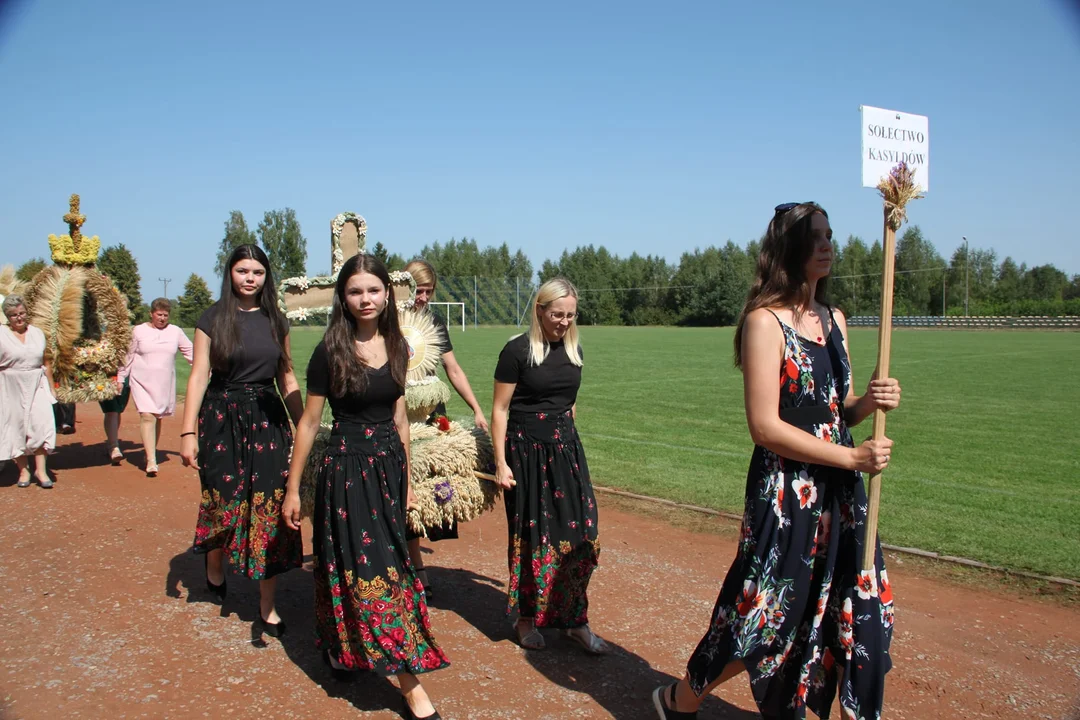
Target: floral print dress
<point>794,606</point>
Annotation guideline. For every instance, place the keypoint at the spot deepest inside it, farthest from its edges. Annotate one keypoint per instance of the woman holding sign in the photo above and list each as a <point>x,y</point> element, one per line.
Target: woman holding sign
<point>794,608</point>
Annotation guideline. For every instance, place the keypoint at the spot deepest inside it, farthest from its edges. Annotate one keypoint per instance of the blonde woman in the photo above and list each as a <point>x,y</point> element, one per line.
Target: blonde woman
<point>426,280</point>
<point>540,464</point>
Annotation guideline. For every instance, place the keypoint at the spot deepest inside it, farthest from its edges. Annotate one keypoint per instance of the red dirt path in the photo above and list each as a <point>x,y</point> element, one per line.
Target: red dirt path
<point>105,616</point>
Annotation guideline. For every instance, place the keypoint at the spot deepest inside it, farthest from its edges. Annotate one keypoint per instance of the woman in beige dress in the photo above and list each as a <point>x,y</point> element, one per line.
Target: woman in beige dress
<point>26,398</point>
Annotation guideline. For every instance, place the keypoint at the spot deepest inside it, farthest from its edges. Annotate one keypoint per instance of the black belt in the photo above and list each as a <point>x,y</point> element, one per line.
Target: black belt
<point>806,416</point>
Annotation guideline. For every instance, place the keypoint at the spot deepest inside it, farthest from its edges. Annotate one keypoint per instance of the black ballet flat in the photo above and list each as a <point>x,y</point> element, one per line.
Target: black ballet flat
<point>338,671</point>
<point>410,715</point>
<point>218,590</point>
<point>274,630</point>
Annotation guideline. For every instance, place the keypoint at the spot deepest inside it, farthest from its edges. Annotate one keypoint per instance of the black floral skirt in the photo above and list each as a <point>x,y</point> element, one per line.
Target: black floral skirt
<point>551,520</point>
<point>370,609</point>
<point>244,442</point>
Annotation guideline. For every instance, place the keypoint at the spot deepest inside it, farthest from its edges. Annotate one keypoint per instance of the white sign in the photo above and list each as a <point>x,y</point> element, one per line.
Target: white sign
<point>889,138</point>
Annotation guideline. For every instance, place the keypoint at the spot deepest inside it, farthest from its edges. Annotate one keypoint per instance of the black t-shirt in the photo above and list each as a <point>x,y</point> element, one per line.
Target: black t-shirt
<point>551,386</point>
<point>256,359</point>
<point>374,405</point>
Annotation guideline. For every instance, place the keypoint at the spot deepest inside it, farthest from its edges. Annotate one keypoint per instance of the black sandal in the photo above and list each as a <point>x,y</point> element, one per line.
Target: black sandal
<point>663,711</point>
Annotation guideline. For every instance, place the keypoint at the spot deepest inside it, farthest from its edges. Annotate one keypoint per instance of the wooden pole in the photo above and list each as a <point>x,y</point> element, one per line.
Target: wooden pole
<point>873,488</point>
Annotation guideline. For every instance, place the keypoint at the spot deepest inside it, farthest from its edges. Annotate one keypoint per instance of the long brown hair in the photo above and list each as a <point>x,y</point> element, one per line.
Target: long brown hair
<point>780,278</point>
<point>348,373</point>
<point>225,332</point>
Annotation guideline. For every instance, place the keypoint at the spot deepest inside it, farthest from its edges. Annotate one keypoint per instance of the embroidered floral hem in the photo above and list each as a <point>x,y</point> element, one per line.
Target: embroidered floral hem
<point>244,442</point>
<point>370,608</point>
<point>551,519</point>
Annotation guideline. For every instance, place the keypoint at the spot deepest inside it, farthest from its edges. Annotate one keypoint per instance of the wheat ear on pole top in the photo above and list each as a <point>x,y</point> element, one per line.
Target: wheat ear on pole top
<point>897,189</point>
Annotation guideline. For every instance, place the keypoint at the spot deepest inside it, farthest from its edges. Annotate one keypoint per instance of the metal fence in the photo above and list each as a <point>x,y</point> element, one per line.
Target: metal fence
<point>487,301</point>
<point>980,323</point>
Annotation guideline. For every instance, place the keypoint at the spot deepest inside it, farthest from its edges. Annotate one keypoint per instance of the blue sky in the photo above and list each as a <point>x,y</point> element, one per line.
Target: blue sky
<point>632,125</point>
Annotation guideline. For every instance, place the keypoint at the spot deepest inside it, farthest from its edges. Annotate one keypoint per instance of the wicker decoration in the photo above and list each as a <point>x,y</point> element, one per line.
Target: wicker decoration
<point>84,317</point>
<point>403,287</point>
<point>9,285</point>
<point>423,396</point>
<point>302,298</point>
<point>424,391</point>
<point>74,248</point>
<point>444,463</point>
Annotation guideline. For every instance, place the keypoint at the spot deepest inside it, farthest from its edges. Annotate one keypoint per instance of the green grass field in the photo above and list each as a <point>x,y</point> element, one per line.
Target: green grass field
<point>987,452</point>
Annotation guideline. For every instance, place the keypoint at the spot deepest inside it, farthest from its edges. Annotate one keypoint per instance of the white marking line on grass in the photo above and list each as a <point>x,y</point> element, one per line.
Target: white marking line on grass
<point>669,446</point>
<point>972,356</point>
<point>884,546</point>
<point>732,453</point>
<point>983,488</point>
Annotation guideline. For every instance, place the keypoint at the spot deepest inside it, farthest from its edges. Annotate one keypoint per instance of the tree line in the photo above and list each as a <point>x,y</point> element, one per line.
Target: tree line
<point>706,287</point>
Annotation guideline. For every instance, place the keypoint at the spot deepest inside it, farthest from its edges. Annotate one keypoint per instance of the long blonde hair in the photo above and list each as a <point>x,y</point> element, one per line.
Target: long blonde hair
<point>554,289</point>
<point>422,272</point>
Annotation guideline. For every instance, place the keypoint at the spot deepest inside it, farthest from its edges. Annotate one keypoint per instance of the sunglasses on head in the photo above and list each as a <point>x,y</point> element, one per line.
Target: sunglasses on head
<point>784,207</point>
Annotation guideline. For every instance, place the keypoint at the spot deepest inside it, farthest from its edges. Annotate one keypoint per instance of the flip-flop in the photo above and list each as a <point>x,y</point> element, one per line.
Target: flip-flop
<point>595,644</point>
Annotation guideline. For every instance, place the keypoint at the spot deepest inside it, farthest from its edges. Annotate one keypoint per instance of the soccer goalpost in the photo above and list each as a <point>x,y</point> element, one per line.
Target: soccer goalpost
<point>457,304</point>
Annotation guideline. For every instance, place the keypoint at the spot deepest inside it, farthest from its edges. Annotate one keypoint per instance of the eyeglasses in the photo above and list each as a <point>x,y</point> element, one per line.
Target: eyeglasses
<point>559,317</point>
<point>17,316</point>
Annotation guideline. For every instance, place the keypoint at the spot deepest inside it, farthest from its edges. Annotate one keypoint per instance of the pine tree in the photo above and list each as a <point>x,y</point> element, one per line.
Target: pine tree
<point>194,301</point>
<point>236,234</point>
<point>30,268</point>
<point>280,236</point>
<point>119,264</point>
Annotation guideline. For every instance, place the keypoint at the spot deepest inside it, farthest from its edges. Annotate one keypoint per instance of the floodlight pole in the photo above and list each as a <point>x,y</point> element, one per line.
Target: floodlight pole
<point>966,263</point>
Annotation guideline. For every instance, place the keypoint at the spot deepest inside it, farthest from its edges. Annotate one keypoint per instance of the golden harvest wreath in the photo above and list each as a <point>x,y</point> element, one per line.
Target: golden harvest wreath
<point>83,315</point>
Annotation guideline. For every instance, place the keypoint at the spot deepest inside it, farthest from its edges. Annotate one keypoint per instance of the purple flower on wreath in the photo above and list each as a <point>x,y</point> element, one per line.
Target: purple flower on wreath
<point>443,492</point>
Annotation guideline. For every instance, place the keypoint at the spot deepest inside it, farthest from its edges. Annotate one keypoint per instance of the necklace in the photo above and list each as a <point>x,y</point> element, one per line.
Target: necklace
<point>816,316</point>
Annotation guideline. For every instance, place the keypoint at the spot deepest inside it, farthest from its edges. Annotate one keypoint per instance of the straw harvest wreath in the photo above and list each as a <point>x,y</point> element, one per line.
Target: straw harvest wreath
<point>10,284</point>
<point>448,461</point>
<point>83,315</point>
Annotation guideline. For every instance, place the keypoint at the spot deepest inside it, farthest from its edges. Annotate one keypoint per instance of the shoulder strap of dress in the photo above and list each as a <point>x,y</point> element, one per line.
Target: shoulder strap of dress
<point>833,327</point>
<point>777,318</point>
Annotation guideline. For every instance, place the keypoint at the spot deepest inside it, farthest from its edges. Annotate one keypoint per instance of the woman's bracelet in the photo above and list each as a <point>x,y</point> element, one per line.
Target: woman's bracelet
<point>188,433</point>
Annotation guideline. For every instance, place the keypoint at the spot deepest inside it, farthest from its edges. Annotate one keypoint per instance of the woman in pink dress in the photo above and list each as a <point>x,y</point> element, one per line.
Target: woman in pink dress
<point>150,370</point>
